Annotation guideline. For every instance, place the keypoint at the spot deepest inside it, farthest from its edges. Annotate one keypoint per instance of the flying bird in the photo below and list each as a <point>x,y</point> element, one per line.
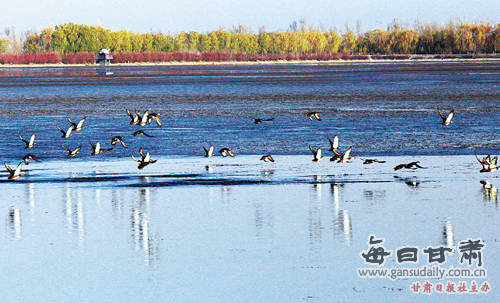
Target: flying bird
<point>411,165</point>
<point>118,139</point>
<point>226,151</point>
<point>134,119</point>
<point>144,161</point>
<point>29,157</point>
<point>66,134</point>
<point>145,119</point>
<point>345,156</point>
<point>156,117</point>
<point>96,149</point>
<point>370,161</point>
<point>334,145</point>
<point>447,120</point>
<point>77,126</point>
<point>141,132</point>
<point>30,143</point>
<point>313,115</point>
<point>489,164</point>
<point>316,153</point>
<point>72,153</point>
<point>259,120</point>
<point>267,158</point>
<point>336,157</point>
<point>209,152</point>
<point>14,173</point>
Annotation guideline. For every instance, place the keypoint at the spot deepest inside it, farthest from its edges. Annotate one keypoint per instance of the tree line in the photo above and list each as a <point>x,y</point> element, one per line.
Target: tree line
<point>427,39</point>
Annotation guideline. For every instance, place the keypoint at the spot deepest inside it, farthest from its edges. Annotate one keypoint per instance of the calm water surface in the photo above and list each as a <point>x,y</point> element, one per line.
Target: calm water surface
<point>190,229</point>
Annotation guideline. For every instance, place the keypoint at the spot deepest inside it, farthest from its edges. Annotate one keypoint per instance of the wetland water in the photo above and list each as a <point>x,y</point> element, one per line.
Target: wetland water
<point>191,229</point>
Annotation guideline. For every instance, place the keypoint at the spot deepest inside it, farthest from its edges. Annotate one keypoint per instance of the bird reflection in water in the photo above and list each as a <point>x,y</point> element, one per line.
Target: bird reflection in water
<point>140,229</point>
<point>314,217</point>
<point>30,192</point>
<point>209,169</point>
<point>117,202</point>
<point>264,219</point>
<point>267,172</point>
<point>74,213</point>
<point>226,194</point>
<point>448,237</point>
<point>341,218</point>
<point>145,198</point>
<point>14,223</point>
<point>490,192</point>
<point>258,218</point>
<point>411,182</point>
<point>376,195</point>
<point>317,186</point>
<point>98,197</point>
<point>145,179</point>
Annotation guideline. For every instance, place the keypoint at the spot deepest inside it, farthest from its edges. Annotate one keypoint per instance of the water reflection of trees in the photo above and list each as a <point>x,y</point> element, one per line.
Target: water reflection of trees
<point>341,225</point>
<point>14,223</point>
<point>30,193</point>
<point>141,234</point>
<point>448,238</point>
<point>341,219</point>
<point>314,213</point>
<point>263,218</point>
<point>74,211</point>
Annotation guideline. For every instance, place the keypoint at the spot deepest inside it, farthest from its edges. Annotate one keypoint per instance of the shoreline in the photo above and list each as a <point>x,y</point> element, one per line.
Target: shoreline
<point>277,62</point>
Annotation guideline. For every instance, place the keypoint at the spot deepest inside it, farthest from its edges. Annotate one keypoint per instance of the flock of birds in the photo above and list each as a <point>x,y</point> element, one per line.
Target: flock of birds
<point>141,119</point>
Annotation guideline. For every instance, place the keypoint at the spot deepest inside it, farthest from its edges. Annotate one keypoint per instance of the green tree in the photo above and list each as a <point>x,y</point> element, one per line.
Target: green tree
<point>136,43</point>
<point>192,41</point>
<point>333,41</point>
<point>265,42</point>
<point>3,45</point>
<point>147,43</point>
<point>349,44</point>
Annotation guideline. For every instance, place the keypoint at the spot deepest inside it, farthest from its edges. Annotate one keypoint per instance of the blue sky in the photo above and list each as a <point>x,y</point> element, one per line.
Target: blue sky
<point>203,16</point>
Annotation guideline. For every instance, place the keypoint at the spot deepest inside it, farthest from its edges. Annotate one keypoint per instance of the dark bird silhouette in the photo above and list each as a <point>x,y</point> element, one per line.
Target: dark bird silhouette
<point>313,115</point>
<point>29,157</point>
<point>370,161</point>
<point>267,158</point>
<point>141,132</point>
<point>260,120</point>
<point>209,152</point>
<point>411,165</point>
